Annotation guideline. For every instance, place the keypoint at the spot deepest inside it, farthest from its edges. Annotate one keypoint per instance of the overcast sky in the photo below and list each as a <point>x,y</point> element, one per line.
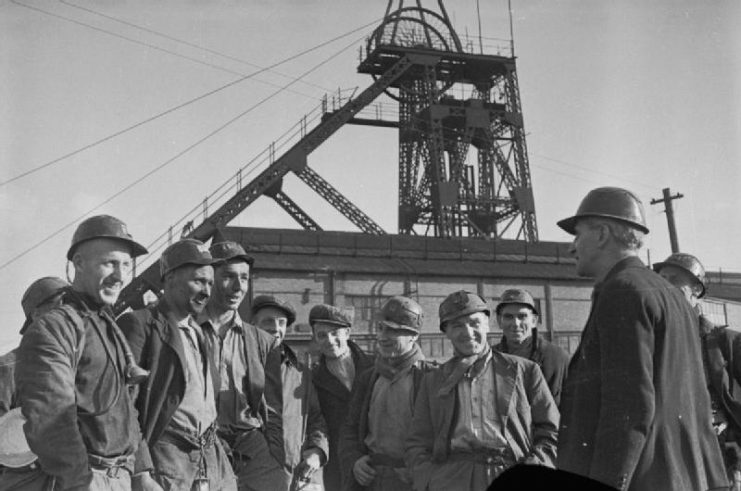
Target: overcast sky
<point>642,95</point>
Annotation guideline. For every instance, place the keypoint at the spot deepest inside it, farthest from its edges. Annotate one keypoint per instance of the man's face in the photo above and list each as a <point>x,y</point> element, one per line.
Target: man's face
<point>332,340</point>
<point>231,282</point>
<point>271,320</point>
<point>188,288</point>
<point>394,342</point>
<point>585,249</point>
<point>517,322</point>
<point>102,269</point>
<point>682,280</point>
<point>468,333</point>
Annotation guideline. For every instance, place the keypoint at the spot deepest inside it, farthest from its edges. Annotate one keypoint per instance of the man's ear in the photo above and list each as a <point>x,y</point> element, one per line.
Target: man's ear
<point>603,234</point>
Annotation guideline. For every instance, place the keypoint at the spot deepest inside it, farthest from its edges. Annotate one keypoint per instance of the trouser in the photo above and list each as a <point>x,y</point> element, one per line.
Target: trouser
<point>33,479</point>
<point>470,471</point>
<point>391,474</point>
<point>179,465</point>
<point>255,466</point>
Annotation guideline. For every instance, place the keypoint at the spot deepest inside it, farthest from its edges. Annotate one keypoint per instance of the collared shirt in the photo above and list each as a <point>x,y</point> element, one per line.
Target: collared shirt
<point>227,350</point>
<point>479,420</point>
<point>343,368</point>
<point>197,410</point>
<point>390,414</point>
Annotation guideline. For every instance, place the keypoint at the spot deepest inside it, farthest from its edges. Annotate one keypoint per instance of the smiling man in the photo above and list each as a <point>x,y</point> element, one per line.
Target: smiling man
<point>635,410</point>
<point>177,405</point>
<point>72,370</point>
<point>518,319</point>
<point>372,440</point>
<point>481,412</point>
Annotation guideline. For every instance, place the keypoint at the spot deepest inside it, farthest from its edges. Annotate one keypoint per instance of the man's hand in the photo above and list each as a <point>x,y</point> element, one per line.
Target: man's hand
<point>363,471</point>
<point>144,482</point>
<point>312,461</point>
<point>736,485</point>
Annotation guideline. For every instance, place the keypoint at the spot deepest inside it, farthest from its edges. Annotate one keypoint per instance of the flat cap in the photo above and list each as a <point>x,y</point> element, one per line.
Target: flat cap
<point>182,252</point>
<point>262,301</point>
<point>228,250</point>
<point>517,296</point>
<point>461,303</point>
<point>330,315</point>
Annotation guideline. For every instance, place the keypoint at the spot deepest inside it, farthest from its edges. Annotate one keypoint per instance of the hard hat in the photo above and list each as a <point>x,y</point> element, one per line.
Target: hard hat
<point>182,252</point>
<point>608,202</point>
<point>228,250</point>
<point>401,313</point>
<point>262,301</point>
<point>516,296</point>
<point>104,227</point>
<point>329,314</point>
<point>461,303</point>
<point>687,262</point>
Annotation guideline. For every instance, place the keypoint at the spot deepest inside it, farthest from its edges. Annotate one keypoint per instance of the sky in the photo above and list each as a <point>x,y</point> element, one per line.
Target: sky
<point>141,109</point>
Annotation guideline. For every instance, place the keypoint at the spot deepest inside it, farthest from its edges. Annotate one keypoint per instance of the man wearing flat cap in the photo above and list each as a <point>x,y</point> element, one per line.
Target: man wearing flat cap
<point>73,371</point>
<point>333,377</point>
<point>635,410</point>
<point>239,352</point>
<point>481,412</point>
<point>177,404</point>
<point>517,317</point>
<point>377,424</point>
<point>296,431</point>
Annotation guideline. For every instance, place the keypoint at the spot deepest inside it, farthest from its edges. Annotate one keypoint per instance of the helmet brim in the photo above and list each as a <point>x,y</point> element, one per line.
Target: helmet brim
<point>657,267</point>
<point>398,327</point>
<point>569,224</point>
<point>136,248</point>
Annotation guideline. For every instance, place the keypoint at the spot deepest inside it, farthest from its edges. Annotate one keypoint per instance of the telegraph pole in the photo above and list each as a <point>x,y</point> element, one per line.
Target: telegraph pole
<point>667,200</point>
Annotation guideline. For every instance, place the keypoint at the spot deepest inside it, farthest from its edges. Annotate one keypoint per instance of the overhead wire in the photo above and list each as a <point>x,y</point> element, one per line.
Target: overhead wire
<point>176,107</point>
<point>175,157</point>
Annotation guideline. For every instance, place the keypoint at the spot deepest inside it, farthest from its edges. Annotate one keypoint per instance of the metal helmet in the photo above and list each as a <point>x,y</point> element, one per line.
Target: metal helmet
<point>608,202</point>
<point>687,262</point>
<point>461,303</point>
<point>401,313</point>
<point>516,296</point>
<point>104,227</point>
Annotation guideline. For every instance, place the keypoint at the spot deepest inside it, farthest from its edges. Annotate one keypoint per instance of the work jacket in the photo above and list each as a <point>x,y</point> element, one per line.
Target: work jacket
<point>525,407</point>
<point>355,430</point>
<point>635,409</point>
<point>552,360</point>
<point>334,399</point>
<point>73,392</point>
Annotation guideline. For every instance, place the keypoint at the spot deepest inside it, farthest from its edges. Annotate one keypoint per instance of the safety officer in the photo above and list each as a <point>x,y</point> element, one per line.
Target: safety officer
<point>372,440</point>
<point>635,411</point>
<point>517,317</point>
<point>74,367</point>
<point>721,349</point>
<point>481,412</point>
<point>333,376</point>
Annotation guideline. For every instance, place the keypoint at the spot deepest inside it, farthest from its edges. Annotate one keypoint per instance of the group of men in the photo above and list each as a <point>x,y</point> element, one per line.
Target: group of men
<point>184,394</point>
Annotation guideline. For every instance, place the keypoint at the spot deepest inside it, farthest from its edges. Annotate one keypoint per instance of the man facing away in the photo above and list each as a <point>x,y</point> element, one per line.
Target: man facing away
<point>239,352</point>
<point>74,369</point>
<point>721,349</point>
<point>481,412</point>
<point>518,319</point>
<point>334,376</point>
<point>177,408</point>
<point>296,431</point>
<point>635,410</point>
<point>380,415</point>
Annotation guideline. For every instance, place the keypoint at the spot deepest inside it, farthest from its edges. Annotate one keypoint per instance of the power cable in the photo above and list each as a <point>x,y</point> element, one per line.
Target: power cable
<point>588,169</point>
<point>186,43</point>
<point>175,157</point>
<point>177,107</point>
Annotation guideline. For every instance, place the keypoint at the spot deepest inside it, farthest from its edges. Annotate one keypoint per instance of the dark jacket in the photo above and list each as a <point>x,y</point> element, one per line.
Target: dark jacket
<point>635,410</point>
<point>528,413</point>
<point>295,421</point>
<point>334,399</point>
<point>73,393</point>
<point>355,430</point>
<point>552,360</point>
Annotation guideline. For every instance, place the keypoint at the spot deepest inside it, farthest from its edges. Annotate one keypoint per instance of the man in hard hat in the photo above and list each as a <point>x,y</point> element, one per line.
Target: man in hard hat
<point>177,404</point>
<point>635,410</point>
<point>721,358</point>
<point>380,414</point>
<point>239,352</point>
<point>296,431</point>
<point>18,467</point>
<point>517,317</point>
<point>333,376</point>
<point>481,412</point>
<point>73,372</point>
